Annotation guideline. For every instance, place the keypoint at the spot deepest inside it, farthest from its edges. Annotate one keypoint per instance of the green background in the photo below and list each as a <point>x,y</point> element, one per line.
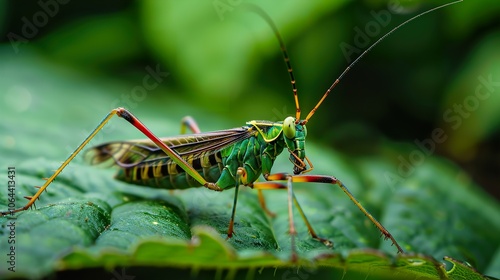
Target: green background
<point>84,58</point>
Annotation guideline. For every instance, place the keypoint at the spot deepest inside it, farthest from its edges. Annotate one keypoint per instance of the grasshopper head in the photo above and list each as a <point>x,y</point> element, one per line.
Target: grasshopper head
<point>295,134</point>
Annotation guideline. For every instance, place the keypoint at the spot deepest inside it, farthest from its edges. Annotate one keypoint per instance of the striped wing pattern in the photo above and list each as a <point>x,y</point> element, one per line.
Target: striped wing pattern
<point>128,154</point>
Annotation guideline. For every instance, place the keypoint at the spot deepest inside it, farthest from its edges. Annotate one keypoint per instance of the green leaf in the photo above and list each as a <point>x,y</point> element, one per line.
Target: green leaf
<point>89,220</point>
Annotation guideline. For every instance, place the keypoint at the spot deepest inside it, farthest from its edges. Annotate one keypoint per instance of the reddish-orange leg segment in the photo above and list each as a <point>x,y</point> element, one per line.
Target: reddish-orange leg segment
<point>262,202</point>
<point>275,181</point>
<point>189,122</point>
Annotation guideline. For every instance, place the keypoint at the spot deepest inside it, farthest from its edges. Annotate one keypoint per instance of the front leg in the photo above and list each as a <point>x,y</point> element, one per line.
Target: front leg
<point>330,180</point>
<point>274,183</point>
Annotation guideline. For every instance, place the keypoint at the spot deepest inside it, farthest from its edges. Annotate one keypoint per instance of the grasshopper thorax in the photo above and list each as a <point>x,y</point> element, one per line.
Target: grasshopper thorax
<point>294,134</point>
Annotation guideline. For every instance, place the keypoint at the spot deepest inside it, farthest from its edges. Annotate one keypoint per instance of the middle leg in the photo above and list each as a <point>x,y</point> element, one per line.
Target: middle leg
<point>330,180</point>
<point>292,199</point>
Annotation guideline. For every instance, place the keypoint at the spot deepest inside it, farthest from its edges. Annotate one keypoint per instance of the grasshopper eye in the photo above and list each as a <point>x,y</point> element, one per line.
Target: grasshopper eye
<point>289,127</point>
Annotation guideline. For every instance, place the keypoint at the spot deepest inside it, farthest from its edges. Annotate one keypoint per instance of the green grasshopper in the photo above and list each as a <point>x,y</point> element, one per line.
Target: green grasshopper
<point>224,159</point>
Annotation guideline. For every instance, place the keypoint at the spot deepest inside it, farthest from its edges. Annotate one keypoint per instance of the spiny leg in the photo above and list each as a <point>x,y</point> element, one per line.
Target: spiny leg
<point>49,180</point>
<point>333,180</point>
<point>123,113</point>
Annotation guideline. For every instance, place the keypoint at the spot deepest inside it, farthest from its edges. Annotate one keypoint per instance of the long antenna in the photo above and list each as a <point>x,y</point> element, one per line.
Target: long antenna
<point>269,21</point>
<point>365,52</point>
